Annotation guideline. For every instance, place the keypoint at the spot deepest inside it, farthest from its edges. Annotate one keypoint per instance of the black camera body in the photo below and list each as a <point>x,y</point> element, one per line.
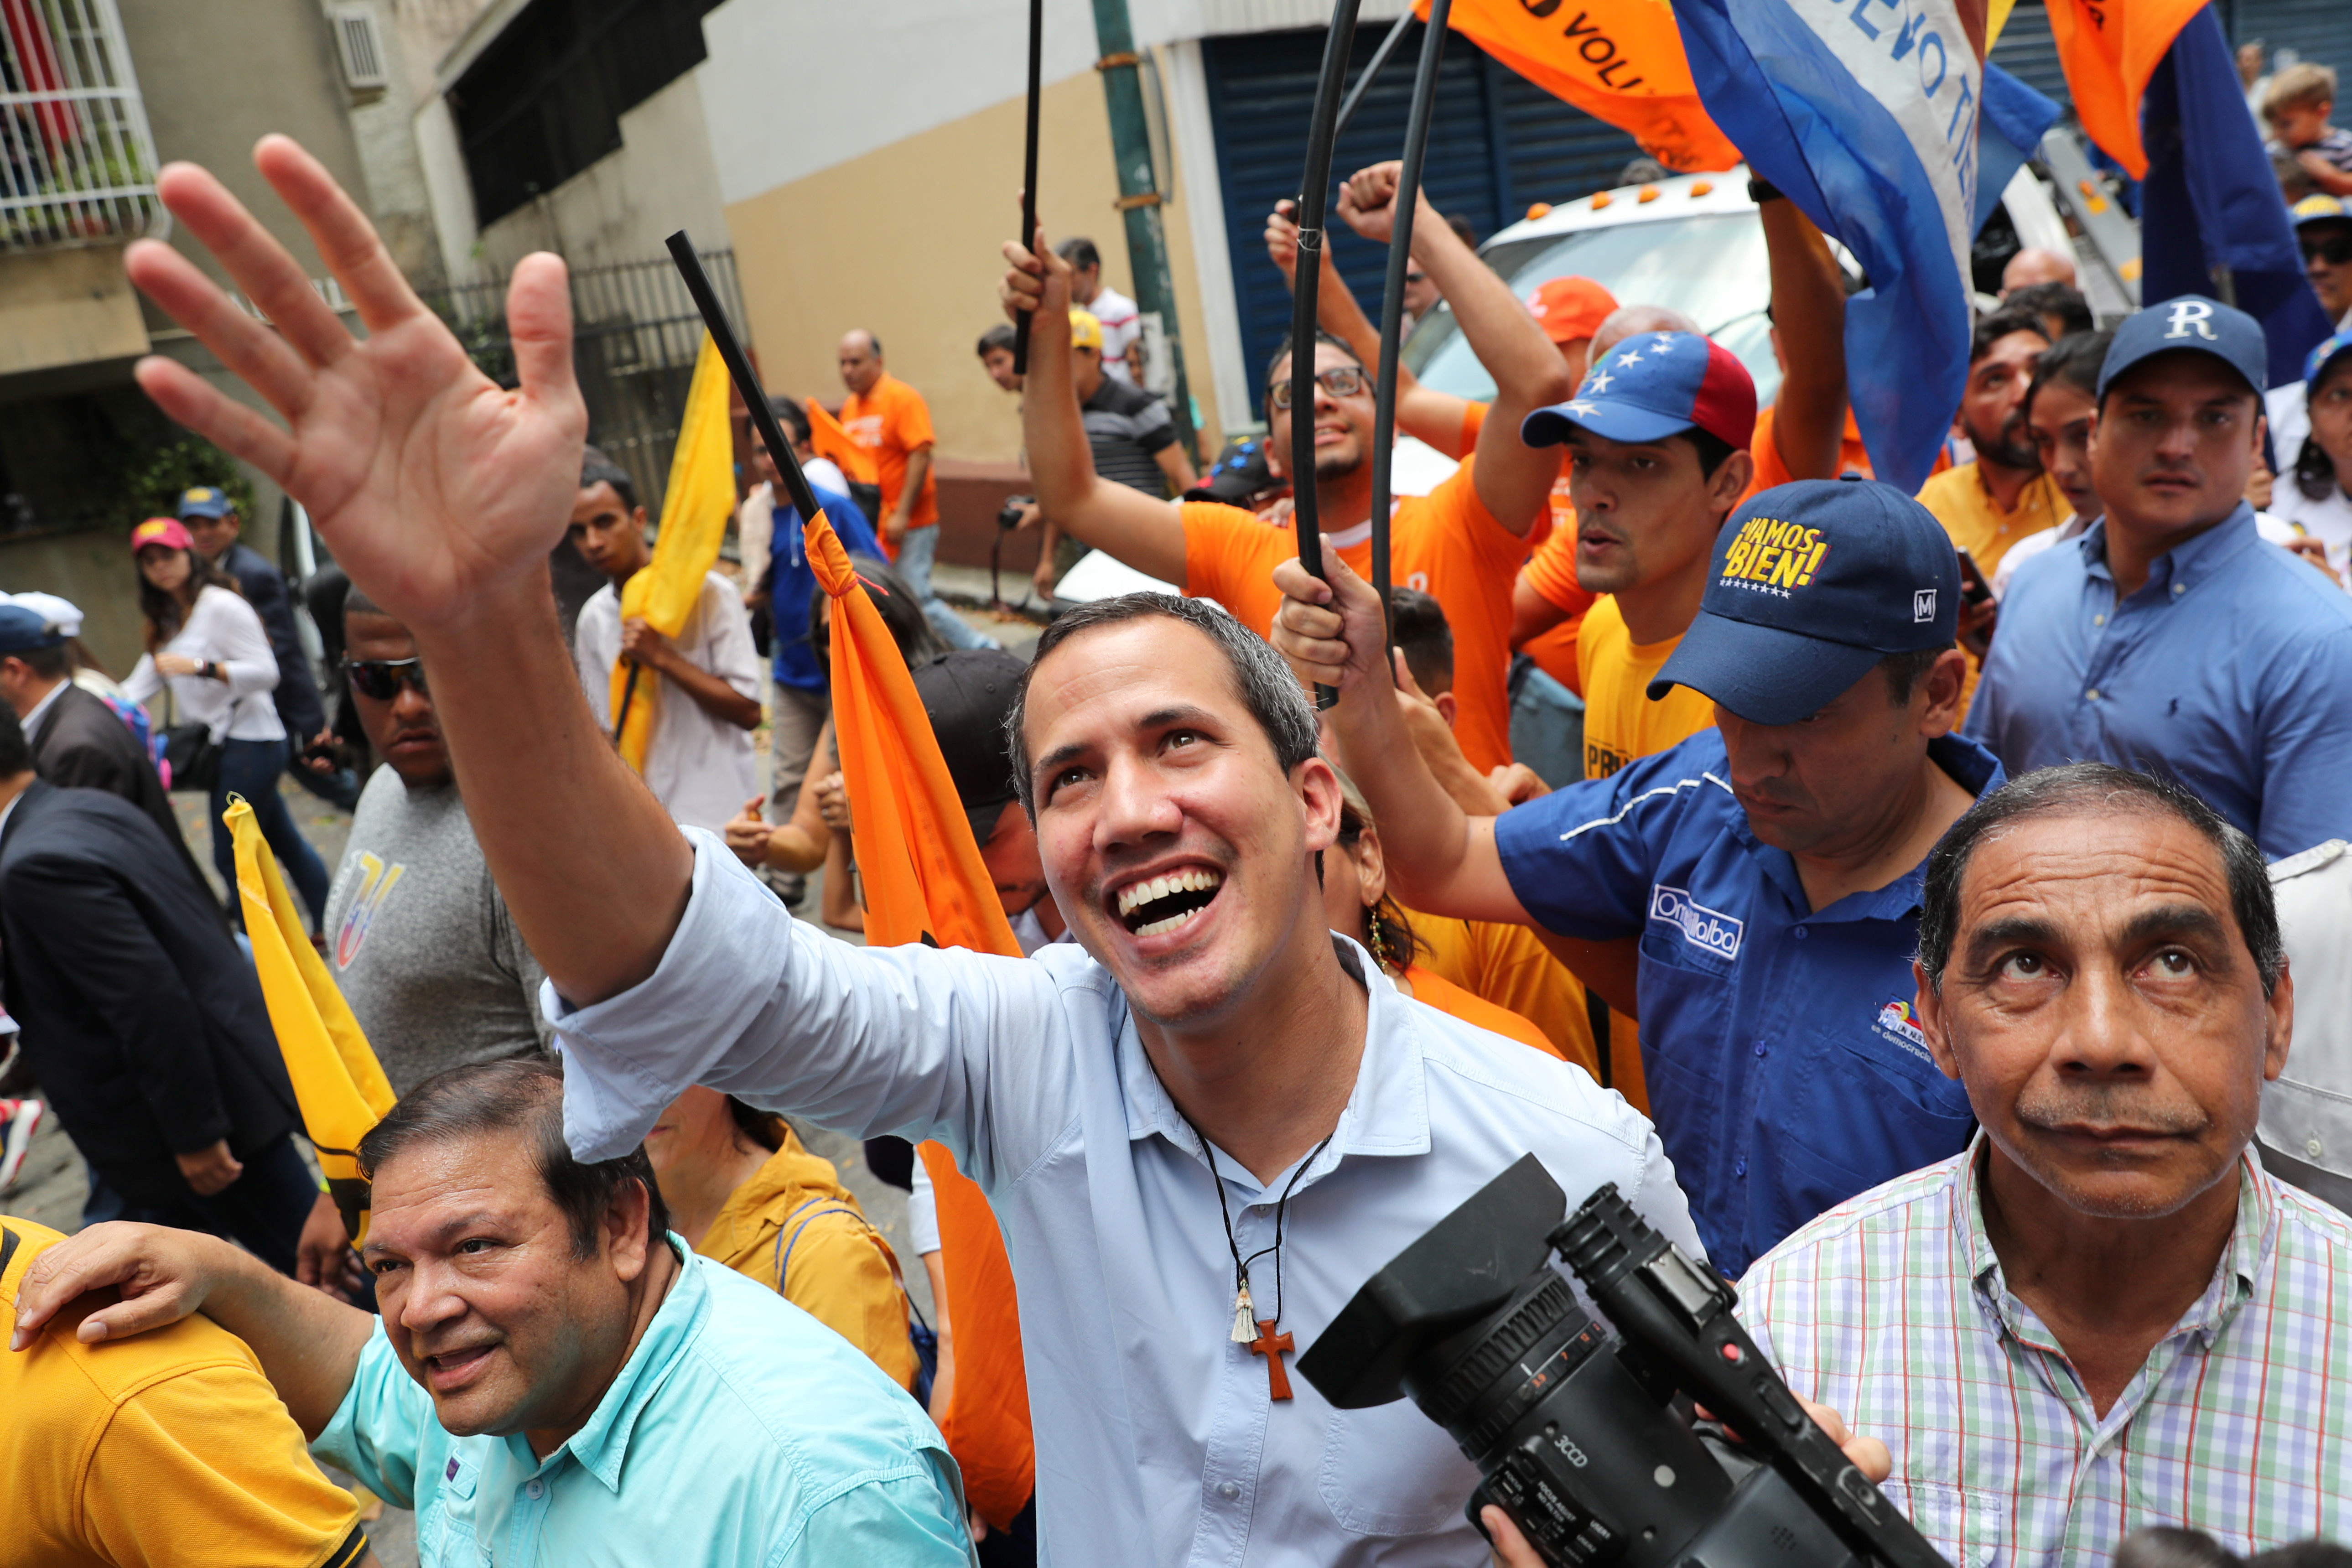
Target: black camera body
<point>1584,1437</point>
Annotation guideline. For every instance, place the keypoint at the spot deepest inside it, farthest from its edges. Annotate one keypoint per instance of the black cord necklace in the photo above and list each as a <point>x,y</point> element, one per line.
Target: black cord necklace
<point>1259,1335</point>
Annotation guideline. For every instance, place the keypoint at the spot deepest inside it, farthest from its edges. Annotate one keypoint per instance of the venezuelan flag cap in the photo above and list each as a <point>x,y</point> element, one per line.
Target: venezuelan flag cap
<point>1653,386</point>
<point>1815,582</point>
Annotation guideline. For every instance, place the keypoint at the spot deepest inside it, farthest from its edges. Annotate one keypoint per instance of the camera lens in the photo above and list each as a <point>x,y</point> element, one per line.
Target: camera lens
<point>1493,1370</point>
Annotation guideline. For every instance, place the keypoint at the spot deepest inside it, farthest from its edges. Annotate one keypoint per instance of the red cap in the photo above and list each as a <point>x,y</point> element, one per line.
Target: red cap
<point>168,530</point>
<point>1571,307</point>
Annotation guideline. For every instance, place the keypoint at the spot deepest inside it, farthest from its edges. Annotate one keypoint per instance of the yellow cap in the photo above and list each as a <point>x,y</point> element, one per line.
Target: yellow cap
<point>1085,331</point>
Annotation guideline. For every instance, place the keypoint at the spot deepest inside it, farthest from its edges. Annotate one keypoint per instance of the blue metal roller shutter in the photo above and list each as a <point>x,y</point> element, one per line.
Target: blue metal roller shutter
<point>1498,144</point>
<point>2318,30</point>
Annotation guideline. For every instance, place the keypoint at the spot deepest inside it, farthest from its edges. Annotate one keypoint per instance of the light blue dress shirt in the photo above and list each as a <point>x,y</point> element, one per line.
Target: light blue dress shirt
<point>1157,1439</point>
<point>2229,670</point>
<point>741,1432</point>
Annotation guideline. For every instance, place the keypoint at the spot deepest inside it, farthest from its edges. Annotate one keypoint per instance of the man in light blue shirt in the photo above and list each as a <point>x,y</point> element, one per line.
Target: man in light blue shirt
<point>555,1378</point>
<point>2169,638</point>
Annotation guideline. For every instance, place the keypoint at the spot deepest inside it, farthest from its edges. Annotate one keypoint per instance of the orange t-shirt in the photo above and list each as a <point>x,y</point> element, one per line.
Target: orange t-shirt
<point>1551,572</point>
<point>1563,509</point>
<point>1853,458</point>
<point>893,422</point>
<point>1446,543</point>
<point>1452,1000</point>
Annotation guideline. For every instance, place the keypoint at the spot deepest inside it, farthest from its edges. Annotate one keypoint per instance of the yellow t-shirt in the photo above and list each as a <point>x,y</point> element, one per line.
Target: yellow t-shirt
<point>169,1446</point>
<point>1509,967</point>
<point>1963,506</point>
<point>837,1268</point>
<point>1620,723</point>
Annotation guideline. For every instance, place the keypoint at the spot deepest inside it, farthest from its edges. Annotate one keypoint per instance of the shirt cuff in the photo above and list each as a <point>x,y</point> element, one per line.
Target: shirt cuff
<point>627,1057</point>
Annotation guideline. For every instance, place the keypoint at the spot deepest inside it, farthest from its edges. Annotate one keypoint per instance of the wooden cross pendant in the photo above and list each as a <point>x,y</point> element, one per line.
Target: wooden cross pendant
<point>1271,1345</point>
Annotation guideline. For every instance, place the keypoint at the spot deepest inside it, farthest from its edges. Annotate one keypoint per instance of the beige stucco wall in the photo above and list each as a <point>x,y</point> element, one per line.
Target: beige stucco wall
<point>66,307</point>
<point>904,240</point>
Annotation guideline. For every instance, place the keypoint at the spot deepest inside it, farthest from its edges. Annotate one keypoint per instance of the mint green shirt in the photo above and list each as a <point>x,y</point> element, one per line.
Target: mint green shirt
<point>740,1431</point>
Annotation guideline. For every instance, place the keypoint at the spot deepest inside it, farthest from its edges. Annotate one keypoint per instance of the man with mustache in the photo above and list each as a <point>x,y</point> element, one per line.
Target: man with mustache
<point>2004,496</point>
<point>2168,636</point>
<point>1769,866</point>
<point>556,1376</point>
<point>2106,1313</point>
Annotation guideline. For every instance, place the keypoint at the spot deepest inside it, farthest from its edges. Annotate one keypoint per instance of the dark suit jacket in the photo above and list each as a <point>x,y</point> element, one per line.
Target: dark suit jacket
<point>82,745</point>
<point>142,1019</point>
<point>298,707</point>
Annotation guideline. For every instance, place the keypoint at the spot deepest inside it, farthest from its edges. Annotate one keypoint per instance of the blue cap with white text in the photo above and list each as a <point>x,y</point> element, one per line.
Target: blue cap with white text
<point>2189,321</point>
<point>1813,583</point>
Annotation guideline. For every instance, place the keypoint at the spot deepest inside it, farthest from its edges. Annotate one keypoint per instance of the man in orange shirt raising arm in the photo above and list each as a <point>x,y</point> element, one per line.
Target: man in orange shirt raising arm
<point>1462,543</point>
<point>891,419</point>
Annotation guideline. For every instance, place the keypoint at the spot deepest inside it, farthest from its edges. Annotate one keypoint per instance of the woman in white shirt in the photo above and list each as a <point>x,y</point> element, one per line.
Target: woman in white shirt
<point>2312,493</point>
<point>206,644</point>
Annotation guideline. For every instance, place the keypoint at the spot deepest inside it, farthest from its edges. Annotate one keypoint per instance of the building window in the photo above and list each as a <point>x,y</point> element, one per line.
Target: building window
<point>76,164</point>
<point>544,100</point>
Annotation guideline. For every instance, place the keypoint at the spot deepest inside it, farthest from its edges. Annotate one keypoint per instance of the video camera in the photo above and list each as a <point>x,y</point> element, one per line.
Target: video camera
<point>1580,1435</point>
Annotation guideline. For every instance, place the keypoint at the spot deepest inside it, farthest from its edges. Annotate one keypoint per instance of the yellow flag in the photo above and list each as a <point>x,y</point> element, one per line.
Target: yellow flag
<point>695,509</point>
<point>338,1082</point>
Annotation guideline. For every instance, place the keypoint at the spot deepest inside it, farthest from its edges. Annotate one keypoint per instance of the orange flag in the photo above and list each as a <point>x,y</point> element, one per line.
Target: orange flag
<point>830,440</point>
<point>2109,50</point>
<point>1618,60</point>
<point>924,882</point>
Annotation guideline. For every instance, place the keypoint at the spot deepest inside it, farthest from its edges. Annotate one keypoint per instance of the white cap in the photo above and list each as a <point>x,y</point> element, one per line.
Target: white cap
<point>60,616</point>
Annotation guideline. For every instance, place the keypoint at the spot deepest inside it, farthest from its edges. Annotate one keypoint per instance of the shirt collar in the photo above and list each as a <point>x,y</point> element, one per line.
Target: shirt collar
<point>603,1444</point>
<point>2185,564</point>
<point>2252,1239</point>
<point>1386,1113</point>
<point>1964,762</point>
<point>39,715</point>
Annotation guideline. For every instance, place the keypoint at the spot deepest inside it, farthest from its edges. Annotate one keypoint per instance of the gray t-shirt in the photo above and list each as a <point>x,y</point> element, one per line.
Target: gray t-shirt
<point>421,942</point>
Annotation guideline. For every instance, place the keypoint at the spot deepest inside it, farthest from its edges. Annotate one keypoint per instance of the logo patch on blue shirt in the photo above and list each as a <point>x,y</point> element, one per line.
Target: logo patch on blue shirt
<point>1900,1023</point>
<point>1710,931</point>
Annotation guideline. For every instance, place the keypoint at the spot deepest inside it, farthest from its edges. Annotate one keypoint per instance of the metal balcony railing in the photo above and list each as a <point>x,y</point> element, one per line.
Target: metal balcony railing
<point>77,161</point>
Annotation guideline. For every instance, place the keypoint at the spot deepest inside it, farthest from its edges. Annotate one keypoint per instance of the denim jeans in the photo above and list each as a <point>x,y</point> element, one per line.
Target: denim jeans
<point>916,550</point>
<point>250,768</point>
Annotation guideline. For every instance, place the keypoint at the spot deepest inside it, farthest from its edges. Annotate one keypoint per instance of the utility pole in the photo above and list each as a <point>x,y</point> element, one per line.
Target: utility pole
<point>1138,199</point>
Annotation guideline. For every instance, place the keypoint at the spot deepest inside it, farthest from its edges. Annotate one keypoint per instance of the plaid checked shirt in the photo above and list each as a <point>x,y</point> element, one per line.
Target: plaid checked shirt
<point>1891,1310</point>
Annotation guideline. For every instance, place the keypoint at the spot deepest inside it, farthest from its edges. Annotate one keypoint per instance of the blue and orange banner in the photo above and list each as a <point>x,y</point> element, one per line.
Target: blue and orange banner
<point>1620,61</point>
<point>2109,49</point>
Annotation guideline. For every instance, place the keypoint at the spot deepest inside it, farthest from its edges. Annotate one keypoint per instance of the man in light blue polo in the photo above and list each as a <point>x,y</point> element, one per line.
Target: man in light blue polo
<point>554,1378</point>
<point>2169,638</point>
<point>1769,868</point>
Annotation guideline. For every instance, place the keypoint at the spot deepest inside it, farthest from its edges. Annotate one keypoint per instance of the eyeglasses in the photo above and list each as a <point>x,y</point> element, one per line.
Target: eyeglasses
<point>1416,274</point>
<point>2335,249</point>
<point>382,679</point>
<point>1339,381</point>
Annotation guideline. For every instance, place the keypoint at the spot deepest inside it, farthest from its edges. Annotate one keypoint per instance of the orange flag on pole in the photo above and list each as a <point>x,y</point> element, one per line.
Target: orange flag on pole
<point>1618,60</point>
<point>2109,50</point>
<point>924,881</point>
<point>830,440</point>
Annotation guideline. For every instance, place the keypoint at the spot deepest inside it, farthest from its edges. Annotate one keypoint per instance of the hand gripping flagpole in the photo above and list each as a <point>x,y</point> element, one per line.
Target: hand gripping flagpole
<point>1029,177</point>
<point>1314,190</point>
<point>1408,202</point>
<point>746,380</point>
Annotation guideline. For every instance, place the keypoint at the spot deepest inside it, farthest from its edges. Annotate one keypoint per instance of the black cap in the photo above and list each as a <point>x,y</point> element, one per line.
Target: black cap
<point>1239,474</point>
<point>967,694</point>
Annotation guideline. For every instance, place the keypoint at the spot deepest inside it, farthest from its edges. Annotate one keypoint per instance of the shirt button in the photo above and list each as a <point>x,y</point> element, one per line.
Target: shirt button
<point>2180,588</point>
<point>1739,1167</point>
<point>2098,620</point>
<point>2093,694</point>
<point>1800,933</point>
<point>2313,1147</point>
<point>1228,1490</point>
<point>535,1488</point>
<point>1759,1047</point>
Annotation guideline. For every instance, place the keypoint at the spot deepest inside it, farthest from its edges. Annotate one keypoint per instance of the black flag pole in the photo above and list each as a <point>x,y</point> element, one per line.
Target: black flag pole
<point>1313,193</point>
<point>1408,201</point>
<point>1029,175</point>
<point>1371,70</point>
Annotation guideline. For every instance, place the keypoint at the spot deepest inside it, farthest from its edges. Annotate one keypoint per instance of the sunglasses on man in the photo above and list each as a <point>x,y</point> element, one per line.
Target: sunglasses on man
<point>2335,249</point>
<point>1339,381</point>
<point>382,679</point>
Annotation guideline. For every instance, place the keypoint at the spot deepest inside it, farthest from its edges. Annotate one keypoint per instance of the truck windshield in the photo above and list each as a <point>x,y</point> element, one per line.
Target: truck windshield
<point>1712,269</point>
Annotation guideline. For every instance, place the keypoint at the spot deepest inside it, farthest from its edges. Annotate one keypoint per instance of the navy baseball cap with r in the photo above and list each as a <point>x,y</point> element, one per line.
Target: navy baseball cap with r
<point>205,501</point>
<point>1653,386</point>
<point>1815,582</point>
<point>2194,322</point>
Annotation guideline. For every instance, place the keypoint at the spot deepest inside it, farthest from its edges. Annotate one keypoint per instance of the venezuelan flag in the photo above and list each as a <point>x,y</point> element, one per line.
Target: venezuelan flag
<point>924,881</point>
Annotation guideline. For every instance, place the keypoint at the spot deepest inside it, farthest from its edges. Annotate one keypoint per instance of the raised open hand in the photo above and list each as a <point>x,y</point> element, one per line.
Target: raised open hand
<point>435,487</point>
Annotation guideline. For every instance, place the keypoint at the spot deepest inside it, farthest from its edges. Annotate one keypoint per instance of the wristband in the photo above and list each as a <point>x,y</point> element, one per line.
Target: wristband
<point>1762,191</point>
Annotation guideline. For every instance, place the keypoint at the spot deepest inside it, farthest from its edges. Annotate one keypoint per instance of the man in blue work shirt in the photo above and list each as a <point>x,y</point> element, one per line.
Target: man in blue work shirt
<point>556,1376</point>
<point>2169,638</point>
<point>1769,868</point>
